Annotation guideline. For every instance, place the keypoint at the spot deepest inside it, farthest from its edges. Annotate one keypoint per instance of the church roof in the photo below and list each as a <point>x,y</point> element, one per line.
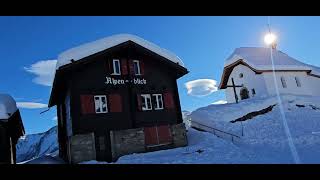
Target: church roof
<point>7,106</point>
<point>258,59</point>
<point>90,48</point>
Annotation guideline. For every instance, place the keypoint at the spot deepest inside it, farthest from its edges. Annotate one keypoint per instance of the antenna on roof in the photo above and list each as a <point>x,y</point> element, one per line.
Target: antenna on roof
<point>270,38</point>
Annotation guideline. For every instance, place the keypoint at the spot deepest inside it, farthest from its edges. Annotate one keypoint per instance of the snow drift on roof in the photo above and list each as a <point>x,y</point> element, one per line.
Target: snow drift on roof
<point>90,48</point>
<point>7,106</point>
<point>259,58</point>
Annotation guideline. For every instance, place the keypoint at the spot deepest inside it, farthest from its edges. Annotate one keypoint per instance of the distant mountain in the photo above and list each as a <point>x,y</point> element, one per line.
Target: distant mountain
<point>36,145</point>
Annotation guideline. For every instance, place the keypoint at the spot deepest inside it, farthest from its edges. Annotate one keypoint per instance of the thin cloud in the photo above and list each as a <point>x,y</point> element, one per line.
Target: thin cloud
<point>31,105</point>
<point>201,87</point>
<point>44,72</point>
<point>220,102</point>
<point>55,118</point>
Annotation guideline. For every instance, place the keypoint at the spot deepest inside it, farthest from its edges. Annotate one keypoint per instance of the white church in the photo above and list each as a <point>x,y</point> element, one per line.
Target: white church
<point>251,70</point>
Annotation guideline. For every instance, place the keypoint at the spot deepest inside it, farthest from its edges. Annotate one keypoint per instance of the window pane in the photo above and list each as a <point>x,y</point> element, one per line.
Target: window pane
<point>117,67</point>
<point>154,101</point>
<point>283,81</point>
<point>143,100</point>
<point>136,67</point>
<point>97,104</point>
<point>104,104</point>
<point>298,82</point>
<point>160,102</point>
<point>149,103</point>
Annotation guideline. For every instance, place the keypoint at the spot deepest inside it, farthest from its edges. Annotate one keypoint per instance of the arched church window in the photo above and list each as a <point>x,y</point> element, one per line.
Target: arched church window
<point>283,82</point>
<point>298,82</point>
<point>253,91</point>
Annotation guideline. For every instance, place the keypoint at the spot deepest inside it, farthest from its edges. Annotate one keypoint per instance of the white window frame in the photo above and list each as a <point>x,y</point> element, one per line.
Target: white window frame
<point>114,67</point>
<point>298,82</point>
<point>157,101</point>
<point>100,104</point>
<point>283,82</point>
<point>145,98</point>
<point>138,66</point>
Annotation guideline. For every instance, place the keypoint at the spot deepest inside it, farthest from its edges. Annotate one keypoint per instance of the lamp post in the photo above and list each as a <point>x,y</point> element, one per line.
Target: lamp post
<point>270,40</point>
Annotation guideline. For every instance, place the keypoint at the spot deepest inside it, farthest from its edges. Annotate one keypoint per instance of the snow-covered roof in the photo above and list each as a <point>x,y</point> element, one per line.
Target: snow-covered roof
<point>7,106</point>
<point>259,59</point>
<point>90,48</point>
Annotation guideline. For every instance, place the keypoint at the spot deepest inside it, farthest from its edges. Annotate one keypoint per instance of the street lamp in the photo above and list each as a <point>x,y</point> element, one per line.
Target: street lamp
<point>270,39</point>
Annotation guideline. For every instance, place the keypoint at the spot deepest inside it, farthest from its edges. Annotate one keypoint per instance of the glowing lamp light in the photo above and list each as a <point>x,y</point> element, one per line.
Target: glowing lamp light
<point>270,39</point>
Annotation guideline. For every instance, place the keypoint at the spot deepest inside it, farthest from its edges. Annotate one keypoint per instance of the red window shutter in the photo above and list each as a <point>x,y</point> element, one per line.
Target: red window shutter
<point>110,66</point>
<point>115,102</point>
<point>168,100</point>
<point>87,104</point>
<point>164,134</point>
<point>150,136</point>
<point>141,67</point>
<point>131,68</point>
<point>124,66</point>
<point>139,102</point>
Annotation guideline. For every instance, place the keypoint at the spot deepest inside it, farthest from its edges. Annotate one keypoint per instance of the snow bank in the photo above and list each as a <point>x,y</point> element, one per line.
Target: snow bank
<point>230,111</point>
<point>90,48</point>
<point>7,106</point>
<point>220,116</point>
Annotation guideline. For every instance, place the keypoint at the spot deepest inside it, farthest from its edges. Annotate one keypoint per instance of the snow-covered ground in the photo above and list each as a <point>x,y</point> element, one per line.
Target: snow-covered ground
<point>263,141</point>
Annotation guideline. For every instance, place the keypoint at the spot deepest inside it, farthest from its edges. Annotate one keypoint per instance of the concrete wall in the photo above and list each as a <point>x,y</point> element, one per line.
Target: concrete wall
<point>314,84</point>
<point>291,88</point>
<point>264,83</point>
<point>250,80</point>
<point>82,148</point>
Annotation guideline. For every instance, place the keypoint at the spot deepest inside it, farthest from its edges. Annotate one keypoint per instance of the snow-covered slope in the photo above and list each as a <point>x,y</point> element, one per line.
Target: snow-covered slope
<point>36,145</point>
<point>264,139</point>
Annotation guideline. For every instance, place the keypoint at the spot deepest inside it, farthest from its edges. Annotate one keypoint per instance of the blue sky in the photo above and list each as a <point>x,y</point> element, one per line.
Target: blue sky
<point>203,43</point>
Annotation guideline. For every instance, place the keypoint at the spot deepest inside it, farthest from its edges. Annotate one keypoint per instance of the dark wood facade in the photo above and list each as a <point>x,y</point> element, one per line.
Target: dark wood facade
<point>77,83</point>
<point>10,131</point>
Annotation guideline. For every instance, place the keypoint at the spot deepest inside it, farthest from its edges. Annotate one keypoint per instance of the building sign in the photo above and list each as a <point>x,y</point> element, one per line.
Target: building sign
<point>112,81</point>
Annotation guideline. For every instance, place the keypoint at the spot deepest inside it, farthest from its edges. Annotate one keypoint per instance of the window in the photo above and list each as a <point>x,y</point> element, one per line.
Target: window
<point>253,92</point>
<point>116,67</point>
<point>100,103</point>
<point>297,81</point>
<point>157,101</point>
<point>146,102</point>
<point>136,66</point>
<point>241,75</point>
<point>283,82</point>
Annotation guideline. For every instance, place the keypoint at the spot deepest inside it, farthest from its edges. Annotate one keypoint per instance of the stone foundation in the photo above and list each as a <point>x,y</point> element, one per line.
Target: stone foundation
<point>130,141</point>
<point>82,148</point>
<point>126,142</point>
<point>122,142</point>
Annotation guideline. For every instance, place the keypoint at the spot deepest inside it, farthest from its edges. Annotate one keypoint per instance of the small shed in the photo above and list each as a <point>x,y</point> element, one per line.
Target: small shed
<point>11,129</point>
